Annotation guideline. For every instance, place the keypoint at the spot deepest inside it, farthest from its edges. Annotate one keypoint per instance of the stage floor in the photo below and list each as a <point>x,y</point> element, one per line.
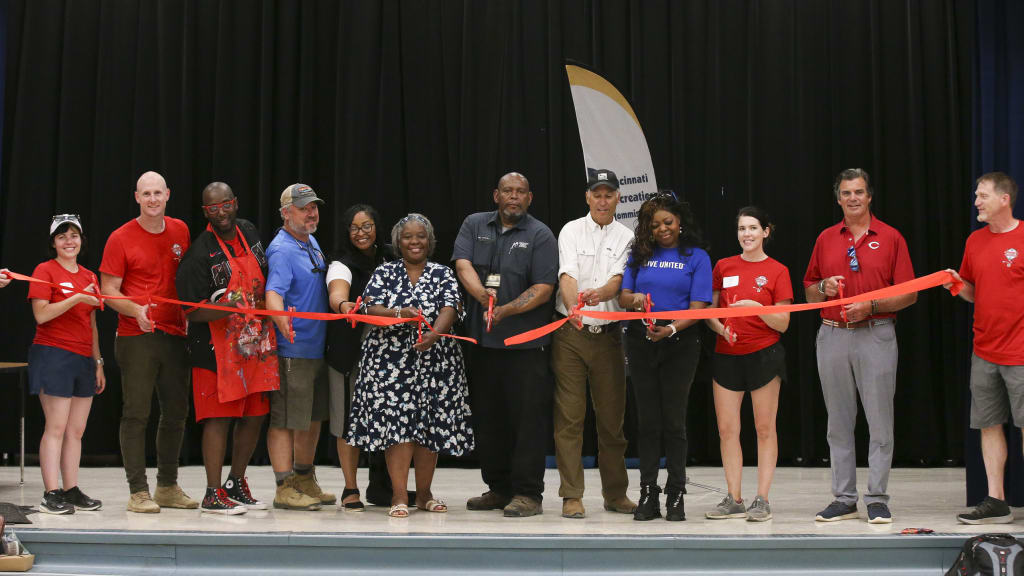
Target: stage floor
<point>921,498</point>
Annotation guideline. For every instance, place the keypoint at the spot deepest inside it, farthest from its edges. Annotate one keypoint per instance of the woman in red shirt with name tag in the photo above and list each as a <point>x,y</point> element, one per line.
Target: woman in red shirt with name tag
<point>65,367</point>
<point>749,358</point>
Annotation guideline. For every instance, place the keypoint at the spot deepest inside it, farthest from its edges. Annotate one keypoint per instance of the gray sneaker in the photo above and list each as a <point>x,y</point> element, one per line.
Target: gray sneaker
<point>759,511</point>
<point>727,508</point>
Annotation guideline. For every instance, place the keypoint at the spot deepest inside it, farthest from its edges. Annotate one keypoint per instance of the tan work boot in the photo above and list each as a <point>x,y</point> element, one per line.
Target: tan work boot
<point>573,508</point>
<point>489,500</point>
<point>142,503</point>
<point>288,498</point>
<point>523,507</point>
<point>622,505</point>
<point>173,497</point>
<point>307,484</point>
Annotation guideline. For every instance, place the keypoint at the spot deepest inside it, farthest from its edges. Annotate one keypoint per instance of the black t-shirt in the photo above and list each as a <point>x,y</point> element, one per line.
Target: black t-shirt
<point>342,339</point>
<point>203,271</point>
<point>524,255</point>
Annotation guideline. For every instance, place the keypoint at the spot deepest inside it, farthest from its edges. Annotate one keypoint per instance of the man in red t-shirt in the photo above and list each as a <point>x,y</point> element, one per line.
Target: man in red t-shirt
<point>141,259</point>
<point>993,278</point>
<point>856,343</point>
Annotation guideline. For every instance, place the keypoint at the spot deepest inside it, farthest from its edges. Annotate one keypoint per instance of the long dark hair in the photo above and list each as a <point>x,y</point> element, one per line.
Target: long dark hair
<point>643,241</point>
<point>345,251</point>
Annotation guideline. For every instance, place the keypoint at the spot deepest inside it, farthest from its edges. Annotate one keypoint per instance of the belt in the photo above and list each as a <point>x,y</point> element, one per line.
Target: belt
<point>861,324</point>
<point>602,329</point>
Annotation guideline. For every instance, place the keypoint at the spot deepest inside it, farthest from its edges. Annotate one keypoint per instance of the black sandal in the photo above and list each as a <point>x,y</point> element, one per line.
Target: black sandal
<point>356,506</point>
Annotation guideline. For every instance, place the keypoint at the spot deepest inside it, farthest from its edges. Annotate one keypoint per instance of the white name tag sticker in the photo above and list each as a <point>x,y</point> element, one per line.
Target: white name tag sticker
<point>730,281</point>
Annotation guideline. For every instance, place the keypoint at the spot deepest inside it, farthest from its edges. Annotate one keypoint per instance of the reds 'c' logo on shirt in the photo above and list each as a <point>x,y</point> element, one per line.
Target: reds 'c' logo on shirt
<point>1010,255</point>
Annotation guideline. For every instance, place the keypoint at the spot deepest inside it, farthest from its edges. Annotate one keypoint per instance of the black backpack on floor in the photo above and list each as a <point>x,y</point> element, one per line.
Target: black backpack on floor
<point>989,555</point>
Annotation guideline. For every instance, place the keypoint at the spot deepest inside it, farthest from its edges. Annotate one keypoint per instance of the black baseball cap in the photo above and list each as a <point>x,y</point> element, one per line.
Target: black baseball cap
<point>601,177</point>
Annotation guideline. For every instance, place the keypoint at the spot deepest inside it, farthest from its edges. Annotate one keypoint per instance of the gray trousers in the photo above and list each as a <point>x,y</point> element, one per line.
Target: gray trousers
<point>852,362</point>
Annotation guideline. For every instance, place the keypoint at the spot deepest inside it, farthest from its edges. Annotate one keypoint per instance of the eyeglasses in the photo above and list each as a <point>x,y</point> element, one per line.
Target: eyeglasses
<point>851,253</point>
<point>317,268</point>
<point>367,227</point>
<point>213,209</point>
<point>667,194</point>
<point>66,218</point>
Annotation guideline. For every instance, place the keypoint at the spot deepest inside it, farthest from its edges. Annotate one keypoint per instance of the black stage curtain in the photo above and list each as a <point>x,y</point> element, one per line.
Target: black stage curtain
<point>998,146</point>
<point>421,105</point>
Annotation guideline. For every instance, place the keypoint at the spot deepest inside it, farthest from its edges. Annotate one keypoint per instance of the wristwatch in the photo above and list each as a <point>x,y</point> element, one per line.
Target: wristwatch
<point>99,361</point>
<point>821,286</point>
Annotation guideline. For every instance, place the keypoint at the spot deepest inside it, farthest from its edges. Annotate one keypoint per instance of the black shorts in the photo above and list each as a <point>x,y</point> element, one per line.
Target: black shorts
<point>58,372</point>
<point>748,372</point>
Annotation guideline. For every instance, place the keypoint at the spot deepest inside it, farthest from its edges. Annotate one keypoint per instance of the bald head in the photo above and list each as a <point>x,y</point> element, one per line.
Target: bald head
<point>511,177</point>
<point>513,198</point>
<point>152,194</point>
<point>217,192</point>
<point>150,180</point>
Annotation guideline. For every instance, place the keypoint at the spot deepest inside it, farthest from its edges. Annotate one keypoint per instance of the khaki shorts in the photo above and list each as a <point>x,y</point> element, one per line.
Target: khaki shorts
<point>303,397</point>
<point>997,391</point>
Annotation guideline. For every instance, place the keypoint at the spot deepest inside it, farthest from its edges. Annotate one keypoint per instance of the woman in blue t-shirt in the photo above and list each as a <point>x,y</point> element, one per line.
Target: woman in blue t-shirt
<point>667,264</point>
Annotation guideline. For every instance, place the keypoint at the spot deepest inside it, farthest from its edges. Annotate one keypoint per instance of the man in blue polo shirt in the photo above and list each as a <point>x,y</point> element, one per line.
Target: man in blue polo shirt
<point>296,281</point>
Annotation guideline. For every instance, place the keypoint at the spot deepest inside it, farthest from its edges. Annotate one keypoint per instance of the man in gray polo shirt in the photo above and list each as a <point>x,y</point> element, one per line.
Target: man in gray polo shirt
<point>511,257</point>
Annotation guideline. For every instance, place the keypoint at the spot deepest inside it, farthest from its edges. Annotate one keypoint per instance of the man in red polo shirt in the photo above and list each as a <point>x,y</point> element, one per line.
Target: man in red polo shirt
<point>993,275</point>
<point>140,259</point>
<point>856,344</point>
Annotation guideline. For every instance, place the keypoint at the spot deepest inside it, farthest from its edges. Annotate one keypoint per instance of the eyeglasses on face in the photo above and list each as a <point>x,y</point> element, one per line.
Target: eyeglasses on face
<point>226,206</point>
<point>367,227</point>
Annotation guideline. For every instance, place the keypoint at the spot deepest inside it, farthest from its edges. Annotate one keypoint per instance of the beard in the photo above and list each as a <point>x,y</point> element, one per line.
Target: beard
<point>512,217</point>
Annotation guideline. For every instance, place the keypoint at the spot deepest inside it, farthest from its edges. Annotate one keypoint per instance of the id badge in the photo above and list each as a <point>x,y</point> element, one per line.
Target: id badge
<point>493,281</point>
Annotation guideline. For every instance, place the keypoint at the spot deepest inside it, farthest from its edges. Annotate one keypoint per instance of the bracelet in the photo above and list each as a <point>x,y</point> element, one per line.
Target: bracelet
<point>673,327</point>
<point>821,286</point>
<point>99,361</point>
<point>874,307</point>
<point>398,313</point>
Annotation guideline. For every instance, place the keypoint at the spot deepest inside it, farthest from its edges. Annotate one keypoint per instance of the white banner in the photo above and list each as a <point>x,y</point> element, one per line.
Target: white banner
<point>613,139</point>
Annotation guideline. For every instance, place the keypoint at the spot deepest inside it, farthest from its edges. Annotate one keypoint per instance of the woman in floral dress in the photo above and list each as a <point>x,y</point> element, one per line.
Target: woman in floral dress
<point>410,398</point>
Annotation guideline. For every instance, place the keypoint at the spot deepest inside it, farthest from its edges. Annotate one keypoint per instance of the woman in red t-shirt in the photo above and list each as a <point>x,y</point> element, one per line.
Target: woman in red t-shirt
<point>65,366</point>
<point>749,358</point>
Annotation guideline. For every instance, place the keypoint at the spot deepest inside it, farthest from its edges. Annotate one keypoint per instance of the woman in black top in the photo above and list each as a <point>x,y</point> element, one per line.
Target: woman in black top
<point>350,270</point>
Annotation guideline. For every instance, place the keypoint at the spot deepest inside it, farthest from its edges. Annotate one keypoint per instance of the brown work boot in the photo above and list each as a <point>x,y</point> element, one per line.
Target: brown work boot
<point>622,505</point>
<point>523,507</point>
<point>489,500</point>
<point>288,498</point>
<point>142,503</point>
<point>573,508</point>
<point>173,497</point>
<point>307,484</point>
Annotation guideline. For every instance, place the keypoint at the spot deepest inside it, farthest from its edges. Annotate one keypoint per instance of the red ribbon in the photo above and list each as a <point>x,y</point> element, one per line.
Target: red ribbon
<point>916,285</point>
<point>291,313</point>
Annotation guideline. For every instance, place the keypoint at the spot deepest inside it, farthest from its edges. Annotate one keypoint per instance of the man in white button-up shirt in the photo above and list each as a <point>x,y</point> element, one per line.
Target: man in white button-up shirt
<point>592,253</point>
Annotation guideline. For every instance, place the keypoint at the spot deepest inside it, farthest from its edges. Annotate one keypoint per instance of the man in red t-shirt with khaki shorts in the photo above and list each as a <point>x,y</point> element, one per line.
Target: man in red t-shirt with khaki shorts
<point>141,259</point>
<point>992,273</point>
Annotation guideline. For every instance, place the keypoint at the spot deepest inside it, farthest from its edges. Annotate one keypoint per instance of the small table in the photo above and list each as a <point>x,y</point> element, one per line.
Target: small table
<point>19,368</point>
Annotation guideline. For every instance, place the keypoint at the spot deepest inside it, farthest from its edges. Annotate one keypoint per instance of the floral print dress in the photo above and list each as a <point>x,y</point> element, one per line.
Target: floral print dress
<point>402,395</point>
